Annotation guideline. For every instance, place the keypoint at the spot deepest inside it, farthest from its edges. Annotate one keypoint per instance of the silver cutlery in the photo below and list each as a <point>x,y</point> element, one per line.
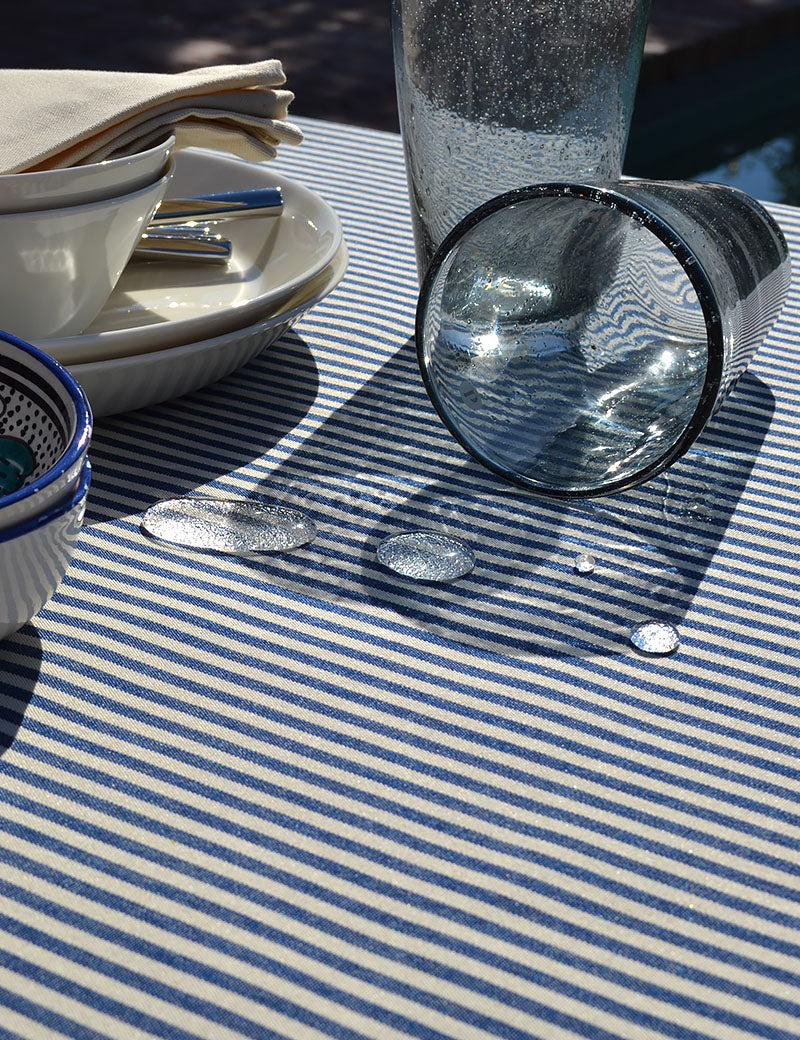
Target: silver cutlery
<point>183,242</point>
<point>174,234</point>
<point>219,205</point>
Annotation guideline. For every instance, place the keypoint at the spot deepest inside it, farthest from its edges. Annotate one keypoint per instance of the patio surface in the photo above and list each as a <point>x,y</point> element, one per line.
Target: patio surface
<point>337,56</point>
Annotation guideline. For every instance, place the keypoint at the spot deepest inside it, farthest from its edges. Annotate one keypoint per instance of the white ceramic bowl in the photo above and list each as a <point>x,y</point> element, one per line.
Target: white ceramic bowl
<point>45,430</point>
<point>34,556</point>
<point>77,185</point>
<point>60,265</point>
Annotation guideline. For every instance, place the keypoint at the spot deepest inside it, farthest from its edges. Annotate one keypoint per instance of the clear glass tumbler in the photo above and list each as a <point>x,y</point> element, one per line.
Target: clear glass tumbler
<point>576,339</point>
<point>497,94</point>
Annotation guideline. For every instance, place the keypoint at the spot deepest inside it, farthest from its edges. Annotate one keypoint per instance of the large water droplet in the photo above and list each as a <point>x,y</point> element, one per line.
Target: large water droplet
<point>233,525</point>
<point>584,563</point>
<point>426,556</point>
<point>655,637</point>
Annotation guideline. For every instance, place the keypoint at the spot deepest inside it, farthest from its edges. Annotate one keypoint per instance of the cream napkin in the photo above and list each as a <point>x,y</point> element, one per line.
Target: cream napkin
<point>50,118</point>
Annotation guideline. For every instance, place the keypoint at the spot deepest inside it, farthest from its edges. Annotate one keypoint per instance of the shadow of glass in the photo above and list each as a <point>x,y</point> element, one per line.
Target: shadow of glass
<point>228,420</point>
<point>20,663</point>
<point>383,464</point>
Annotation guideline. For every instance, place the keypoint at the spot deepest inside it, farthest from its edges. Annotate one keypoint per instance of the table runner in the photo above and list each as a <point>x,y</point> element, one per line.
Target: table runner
<point>295,796</point>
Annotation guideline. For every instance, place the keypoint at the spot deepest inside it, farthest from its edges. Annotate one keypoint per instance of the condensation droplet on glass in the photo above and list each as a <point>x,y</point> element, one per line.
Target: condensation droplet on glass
<point>655,637</point>
<point>426,556</point>
<point>232,525</point>
<point>584,563</point>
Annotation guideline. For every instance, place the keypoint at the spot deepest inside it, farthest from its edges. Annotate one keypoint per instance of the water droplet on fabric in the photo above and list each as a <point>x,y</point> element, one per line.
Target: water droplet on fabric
<point>426,556</point>
<point>227,525</point>
<point>584,563</point>
<point>655,637</point>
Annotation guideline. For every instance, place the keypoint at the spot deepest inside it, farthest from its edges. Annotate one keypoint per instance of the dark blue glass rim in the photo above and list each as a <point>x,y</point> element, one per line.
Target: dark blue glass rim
<point>83,421</point>
<point>700,282</point>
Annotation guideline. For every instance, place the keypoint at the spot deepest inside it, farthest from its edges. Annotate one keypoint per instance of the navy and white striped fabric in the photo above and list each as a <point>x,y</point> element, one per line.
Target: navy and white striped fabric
<point>297,797</point>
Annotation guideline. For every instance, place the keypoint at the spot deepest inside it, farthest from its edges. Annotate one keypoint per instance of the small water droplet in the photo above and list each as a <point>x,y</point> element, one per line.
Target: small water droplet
<point>584,563</point>
<point>426,556</point>
<point>655,637</point>
<point>233,525</point>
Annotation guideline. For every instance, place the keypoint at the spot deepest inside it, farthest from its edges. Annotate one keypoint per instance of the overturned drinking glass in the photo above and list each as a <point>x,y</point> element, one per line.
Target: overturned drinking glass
<point>576,339</point>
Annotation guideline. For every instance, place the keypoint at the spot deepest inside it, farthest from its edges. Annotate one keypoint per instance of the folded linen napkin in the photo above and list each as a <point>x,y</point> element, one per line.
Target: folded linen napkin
<point>51,118</point>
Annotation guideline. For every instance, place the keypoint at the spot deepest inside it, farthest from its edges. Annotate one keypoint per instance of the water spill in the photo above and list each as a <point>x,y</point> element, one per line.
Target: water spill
<point>232,525</point>
<point>426,556</point>
<point>681,504</point>
<point>584,563</point>
<point>694,508</point>
<point>655,637</point>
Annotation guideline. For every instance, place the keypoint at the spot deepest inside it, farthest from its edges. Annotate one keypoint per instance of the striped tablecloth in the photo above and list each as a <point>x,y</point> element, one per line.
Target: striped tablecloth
<point>297,797</point>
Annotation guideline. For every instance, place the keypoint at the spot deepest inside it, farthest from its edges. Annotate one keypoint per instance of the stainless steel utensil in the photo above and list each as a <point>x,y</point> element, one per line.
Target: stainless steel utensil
<point>266,202</point>
<point>174,234</point>
<point>183,242</point>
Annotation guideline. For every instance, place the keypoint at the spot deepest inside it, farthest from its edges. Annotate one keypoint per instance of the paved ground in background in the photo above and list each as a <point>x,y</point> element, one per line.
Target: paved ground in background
<point>337,55</point>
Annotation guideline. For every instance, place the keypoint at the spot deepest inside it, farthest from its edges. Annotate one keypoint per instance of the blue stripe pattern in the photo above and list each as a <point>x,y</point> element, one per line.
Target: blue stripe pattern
<point>292,797</point>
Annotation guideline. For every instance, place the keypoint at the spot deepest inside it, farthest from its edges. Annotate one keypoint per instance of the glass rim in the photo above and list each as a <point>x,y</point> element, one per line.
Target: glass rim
<point>611,198</point>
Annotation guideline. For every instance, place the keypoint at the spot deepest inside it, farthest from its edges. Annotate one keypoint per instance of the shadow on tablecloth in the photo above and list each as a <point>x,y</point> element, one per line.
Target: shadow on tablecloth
<point>169,450</point>
<point>383,464</point>
<point>20,661</point>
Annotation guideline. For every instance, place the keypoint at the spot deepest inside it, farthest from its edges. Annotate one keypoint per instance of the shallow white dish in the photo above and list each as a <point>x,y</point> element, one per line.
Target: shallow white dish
<point>137,381</point>
<point>76,185</point>
<point>157,304</point>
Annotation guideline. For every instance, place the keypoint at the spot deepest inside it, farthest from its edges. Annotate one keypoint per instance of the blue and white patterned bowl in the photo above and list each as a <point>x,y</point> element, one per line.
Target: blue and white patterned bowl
<point>45,429</point>
<point>35,554</point>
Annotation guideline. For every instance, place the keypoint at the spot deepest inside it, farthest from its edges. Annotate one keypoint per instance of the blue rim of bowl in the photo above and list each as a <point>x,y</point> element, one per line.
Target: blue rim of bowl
<point>603,196</point>
<point>59,509</point>
<point>79,442</point>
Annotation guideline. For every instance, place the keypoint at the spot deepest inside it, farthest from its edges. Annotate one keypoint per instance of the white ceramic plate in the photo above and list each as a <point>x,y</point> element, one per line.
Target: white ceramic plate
<point>162,304</point>
<point>124,383</point>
